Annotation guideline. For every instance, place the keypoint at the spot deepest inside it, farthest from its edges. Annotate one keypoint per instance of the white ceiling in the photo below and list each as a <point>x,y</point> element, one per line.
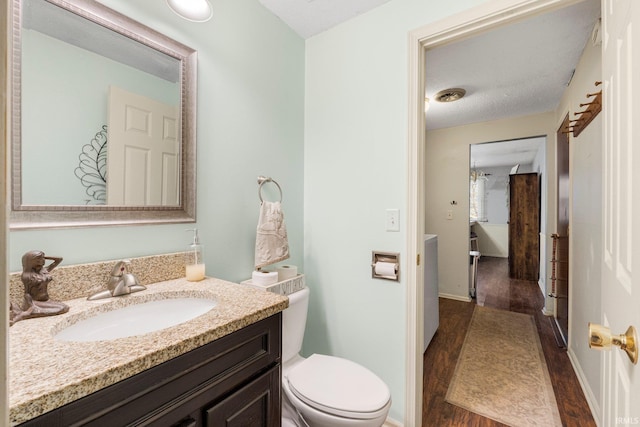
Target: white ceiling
<point>506,153</point>
<point>515,70</point>
<point>311,17</point>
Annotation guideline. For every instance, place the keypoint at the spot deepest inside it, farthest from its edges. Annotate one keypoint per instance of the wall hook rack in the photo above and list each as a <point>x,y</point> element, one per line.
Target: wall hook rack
<point>582,118</point>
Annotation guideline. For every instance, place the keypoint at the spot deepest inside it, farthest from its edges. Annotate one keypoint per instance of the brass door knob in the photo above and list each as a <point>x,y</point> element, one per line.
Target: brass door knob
<point>600,337</point>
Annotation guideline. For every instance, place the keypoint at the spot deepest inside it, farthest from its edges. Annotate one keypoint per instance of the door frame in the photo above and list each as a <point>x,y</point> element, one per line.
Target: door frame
<point>560,227</point>
<point>5,114</point>
<point>473,21</point>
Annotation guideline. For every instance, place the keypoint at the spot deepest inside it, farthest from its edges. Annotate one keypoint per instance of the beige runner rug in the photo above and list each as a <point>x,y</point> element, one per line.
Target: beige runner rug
<point>501,372</point>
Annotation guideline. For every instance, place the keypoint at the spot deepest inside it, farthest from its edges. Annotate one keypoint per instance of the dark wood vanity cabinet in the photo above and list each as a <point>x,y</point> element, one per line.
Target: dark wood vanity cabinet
<point>233,381</point>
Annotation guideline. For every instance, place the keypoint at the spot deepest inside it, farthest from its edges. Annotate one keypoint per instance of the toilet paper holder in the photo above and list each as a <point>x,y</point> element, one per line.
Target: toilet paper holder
<point>386,257</point>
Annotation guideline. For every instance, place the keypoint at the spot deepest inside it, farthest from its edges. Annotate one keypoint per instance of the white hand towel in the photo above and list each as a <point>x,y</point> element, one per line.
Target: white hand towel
<point>271,239</point>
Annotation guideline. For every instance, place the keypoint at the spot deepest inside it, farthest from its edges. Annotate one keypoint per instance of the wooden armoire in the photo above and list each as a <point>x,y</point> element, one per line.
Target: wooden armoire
<point>524,226</point>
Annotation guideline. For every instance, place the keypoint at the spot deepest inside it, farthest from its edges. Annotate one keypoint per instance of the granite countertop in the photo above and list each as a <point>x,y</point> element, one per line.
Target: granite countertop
<point>46,374</point>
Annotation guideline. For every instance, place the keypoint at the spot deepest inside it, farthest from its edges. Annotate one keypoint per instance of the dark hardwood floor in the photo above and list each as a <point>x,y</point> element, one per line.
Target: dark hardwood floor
<point>495,290</point>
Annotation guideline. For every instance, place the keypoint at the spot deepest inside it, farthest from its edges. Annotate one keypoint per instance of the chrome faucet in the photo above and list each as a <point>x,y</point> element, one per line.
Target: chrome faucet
<point>121,282</point>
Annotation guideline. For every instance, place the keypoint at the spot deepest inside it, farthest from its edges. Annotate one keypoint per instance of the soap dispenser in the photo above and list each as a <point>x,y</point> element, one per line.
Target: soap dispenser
<point>194,259</point>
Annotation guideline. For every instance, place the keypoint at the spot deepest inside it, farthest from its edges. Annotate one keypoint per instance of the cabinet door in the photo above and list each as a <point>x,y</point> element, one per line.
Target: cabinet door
<point>255,405</point>
<point>524,226</point>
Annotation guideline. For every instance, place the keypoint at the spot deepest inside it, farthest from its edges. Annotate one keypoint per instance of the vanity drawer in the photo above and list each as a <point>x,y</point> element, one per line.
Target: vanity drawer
<point>166,394</point>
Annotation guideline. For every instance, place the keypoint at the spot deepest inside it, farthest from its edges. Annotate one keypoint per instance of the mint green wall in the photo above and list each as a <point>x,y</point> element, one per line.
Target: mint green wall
<point>356,168</point>
<point>264,95</point>
<point>250,123</point>
<point>65,107</point>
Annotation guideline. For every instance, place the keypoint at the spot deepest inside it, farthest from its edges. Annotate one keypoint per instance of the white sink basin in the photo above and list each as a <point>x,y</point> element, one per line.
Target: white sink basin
<point>137,319</point>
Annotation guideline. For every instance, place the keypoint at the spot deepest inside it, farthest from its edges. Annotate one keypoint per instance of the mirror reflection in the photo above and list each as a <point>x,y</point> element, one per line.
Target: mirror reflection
<point>107,106</point>
<point>105,113</point>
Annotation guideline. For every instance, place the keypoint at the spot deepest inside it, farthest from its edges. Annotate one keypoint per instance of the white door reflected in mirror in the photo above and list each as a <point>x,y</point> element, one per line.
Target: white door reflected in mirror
<point>143,160</point>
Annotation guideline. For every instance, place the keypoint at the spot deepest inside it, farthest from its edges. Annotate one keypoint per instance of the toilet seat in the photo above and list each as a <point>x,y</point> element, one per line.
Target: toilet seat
<point>339,387</point>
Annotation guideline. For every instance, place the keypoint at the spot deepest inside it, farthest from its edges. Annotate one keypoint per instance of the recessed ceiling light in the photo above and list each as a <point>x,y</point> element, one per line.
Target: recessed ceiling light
<point>192,10</point>
<point>450,95</point>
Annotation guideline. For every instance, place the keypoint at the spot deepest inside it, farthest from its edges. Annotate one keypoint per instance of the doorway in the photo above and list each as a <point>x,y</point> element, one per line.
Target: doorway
<point>474,21</point>
<point>493,167</point>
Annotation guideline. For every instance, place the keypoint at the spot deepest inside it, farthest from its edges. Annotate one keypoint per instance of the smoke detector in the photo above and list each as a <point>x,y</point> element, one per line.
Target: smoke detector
<point>450,95</point>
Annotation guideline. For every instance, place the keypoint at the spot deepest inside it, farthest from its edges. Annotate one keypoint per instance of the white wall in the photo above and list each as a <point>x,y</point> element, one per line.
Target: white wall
<point>493,239</point>
<point>545,164</point>
<point>538,164</point>
<point>497,191</point>
<point>585,242</point>
<point>356,168</point>
<point>447,160</point>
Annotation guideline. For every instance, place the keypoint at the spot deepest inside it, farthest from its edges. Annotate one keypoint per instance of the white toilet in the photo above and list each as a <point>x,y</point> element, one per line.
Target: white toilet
<point>325,391</point>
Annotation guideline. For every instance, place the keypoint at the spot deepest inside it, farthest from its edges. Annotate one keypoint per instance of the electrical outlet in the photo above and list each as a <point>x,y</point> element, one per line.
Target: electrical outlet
<point>449,214</point>
<point>393,220</point>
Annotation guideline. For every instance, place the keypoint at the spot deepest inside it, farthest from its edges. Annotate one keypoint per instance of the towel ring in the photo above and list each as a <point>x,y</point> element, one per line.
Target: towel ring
<point>261,181</point>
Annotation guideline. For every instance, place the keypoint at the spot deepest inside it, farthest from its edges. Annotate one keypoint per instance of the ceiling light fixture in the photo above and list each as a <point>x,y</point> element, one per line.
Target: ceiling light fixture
<point>450,95</point>
<point>192,10</point>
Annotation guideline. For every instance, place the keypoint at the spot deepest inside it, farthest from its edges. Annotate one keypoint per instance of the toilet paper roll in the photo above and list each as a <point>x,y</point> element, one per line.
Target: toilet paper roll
<point>385,269</point>
<point>264,278</point>
<point>286,272</point>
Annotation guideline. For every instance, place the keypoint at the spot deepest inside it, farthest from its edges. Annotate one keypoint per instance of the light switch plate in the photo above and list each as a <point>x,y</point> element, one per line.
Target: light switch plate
<point>393,220</point>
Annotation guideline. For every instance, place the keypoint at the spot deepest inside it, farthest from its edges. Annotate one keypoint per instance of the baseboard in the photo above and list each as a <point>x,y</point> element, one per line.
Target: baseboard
<point>390,422</point>
<point>496,255</point>
<point>547,312</point>
<point>588,394</point>
<point>454,297</point>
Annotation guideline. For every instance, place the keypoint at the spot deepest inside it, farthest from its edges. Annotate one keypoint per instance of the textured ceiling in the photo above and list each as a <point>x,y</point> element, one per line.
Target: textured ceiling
<point>514,70</point>
<point>511,71</point>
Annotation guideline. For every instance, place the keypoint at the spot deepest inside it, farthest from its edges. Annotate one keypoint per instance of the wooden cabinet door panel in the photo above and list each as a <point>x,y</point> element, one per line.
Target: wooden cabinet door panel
<point>255,405</point>
<point>524,226</point>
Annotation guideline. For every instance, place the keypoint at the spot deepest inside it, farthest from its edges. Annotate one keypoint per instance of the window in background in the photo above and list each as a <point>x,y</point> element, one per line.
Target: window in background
<point>477,196</point>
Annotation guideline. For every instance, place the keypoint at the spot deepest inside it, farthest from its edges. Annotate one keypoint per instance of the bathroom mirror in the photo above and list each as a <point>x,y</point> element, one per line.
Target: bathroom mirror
<point>103,119</point>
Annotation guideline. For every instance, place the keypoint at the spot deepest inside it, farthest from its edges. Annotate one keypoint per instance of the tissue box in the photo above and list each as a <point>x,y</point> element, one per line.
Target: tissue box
<point>285,287</point>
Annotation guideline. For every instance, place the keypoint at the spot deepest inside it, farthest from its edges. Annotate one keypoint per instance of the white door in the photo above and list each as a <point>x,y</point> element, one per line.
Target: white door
<point>143,151</point>
<point>621,201</point>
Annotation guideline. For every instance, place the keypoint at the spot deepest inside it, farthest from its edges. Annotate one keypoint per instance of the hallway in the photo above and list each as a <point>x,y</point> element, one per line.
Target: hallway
<point>495,290</point>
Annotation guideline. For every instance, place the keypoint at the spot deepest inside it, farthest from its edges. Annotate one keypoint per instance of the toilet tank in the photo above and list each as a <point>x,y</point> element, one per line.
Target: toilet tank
<point>294,321</point>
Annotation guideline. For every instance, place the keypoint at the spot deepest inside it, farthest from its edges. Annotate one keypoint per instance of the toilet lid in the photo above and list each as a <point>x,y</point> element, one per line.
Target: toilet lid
<point>338,386</point>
